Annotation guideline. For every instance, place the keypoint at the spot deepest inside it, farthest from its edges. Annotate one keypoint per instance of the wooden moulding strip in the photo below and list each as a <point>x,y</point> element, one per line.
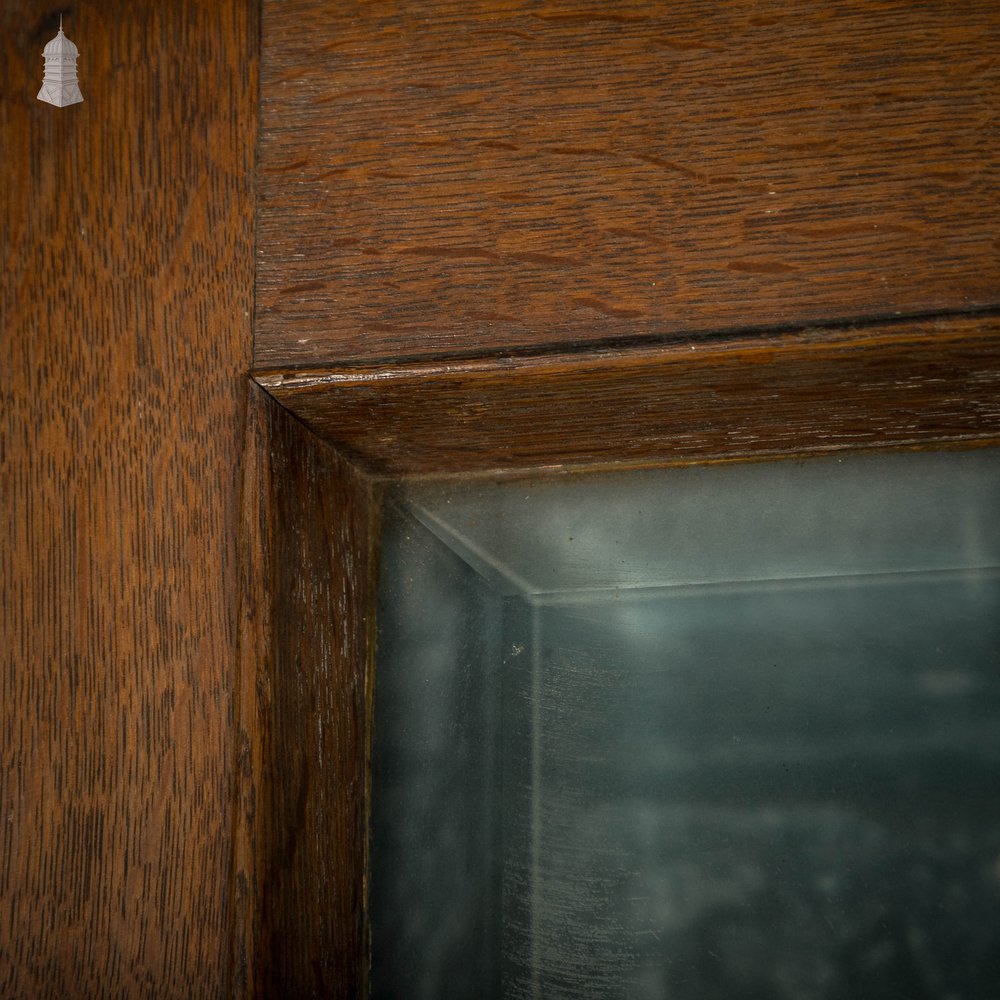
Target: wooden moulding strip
<point>888,385</point>
<point>305,699</point>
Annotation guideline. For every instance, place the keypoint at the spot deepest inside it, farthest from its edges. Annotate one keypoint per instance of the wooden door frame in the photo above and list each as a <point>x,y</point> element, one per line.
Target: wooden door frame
<point>640,312</point>
<point>328,442</point>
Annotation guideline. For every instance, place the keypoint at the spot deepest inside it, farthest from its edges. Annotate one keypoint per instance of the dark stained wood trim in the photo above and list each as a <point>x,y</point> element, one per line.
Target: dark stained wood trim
<point>889,385</point>
<point>305,697</point>
<point>252,827</point>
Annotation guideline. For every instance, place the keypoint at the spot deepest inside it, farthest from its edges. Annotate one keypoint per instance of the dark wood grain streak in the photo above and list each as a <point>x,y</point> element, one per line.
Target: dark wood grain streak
<point>126,255</point>
<point>894,385</point>
<point>314,701</point>
<point>253,834</point>
<point>454,177</point>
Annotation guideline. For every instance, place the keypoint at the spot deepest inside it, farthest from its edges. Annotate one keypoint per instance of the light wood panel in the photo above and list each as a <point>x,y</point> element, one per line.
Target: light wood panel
<point>126,245</point>
<point>442,178</point>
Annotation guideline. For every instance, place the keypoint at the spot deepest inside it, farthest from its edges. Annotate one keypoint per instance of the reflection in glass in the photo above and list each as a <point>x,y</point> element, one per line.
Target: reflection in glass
<point>727,732</point>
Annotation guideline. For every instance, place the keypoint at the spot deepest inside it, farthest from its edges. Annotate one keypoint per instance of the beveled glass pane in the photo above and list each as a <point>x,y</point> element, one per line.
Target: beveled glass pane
<point>718,732</point>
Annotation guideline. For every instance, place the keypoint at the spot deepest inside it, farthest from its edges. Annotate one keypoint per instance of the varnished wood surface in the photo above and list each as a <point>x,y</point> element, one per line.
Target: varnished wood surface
<point>314,702</point>
<point>253,830</point>
<point>447,177</point>
<point>896,384</point>
<point>126,255</point>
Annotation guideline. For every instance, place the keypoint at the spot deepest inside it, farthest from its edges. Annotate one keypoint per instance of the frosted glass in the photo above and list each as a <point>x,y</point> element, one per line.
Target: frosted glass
<point>725,732</point>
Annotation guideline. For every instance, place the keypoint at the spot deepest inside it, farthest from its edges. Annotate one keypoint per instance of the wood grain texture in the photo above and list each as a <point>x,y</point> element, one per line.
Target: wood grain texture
<point>126,246</point>
<point>253,832</point>
<point>890,385</point>
<point>314,699</point>
<point>465,178</point>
